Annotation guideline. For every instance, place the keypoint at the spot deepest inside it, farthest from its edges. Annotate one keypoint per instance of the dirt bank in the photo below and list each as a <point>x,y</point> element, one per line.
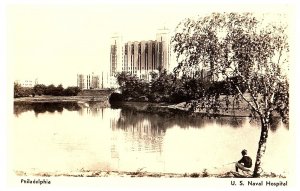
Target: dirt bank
<point>140,173</point>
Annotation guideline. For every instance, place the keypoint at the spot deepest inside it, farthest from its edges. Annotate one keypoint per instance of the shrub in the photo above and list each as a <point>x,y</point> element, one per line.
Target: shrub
<point>195,175</point>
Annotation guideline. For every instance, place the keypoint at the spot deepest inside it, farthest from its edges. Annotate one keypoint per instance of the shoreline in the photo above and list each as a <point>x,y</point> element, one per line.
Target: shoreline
<point>140,173</point>
<point>180,108</point>
<point>143,107</point>
<point>147,107</point>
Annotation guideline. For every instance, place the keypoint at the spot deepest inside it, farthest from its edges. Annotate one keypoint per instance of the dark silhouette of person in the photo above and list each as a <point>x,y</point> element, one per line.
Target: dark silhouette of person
<point>245,163</point>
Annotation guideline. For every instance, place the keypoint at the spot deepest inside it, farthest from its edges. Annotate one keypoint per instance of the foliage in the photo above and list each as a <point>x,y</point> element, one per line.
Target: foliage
<point>166,87</point>
<point>131,86</point>
<point>71,91</point>
<point>245,54</point>
<point>20,91</point>
<point>248,57</point>
<point>161,86</point>
<point>195,175</point>
<point>205,173</point>
<point>60,91</point>
<point>55,91</point>
<point>41,89</point>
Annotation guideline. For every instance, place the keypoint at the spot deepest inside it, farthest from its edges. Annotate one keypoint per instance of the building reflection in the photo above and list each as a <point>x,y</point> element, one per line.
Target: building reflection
<point>92,108</point>
<point>144,132</point>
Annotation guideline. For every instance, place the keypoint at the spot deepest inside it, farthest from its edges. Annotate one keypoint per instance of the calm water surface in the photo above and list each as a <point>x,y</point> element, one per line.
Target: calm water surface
<point>66,137</point>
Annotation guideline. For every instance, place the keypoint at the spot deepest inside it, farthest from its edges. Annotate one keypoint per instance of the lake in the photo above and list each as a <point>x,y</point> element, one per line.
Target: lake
<point>68,137</point>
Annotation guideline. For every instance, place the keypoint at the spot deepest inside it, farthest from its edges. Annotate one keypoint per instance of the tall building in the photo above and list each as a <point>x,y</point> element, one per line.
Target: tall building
<point>116,53</point>
<point>163,36</point>
<point>141,57</point>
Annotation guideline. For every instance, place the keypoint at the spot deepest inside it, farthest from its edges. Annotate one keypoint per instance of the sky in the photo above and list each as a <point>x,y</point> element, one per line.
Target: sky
<point>55,42</point>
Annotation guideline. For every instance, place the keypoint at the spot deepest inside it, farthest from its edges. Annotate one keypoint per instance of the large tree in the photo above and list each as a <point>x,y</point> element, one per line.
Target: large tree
<point>242,51</point>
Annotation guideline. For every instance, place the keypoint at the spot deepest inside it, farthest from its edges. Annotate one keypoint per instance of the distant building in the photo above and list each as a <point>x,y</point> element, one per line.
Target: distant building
<point>95,82</point>
<point>80,81</point>
<point>141,57</point>
<point>90,81</point>
<point>27,83</point>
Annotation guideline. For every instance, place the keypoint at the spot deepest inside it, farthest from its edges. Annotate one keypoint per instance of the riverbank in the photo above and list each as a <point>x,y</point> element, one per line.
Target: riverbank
<point>140,173</point>
<point>146,107</point>
<point>181,108</point>
<point>158,108</point>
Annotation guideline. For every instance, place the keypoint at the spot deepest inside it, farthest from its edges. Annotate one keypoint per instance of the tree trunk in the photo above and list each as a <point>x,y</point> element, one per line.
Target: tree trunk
<point>265,125</point>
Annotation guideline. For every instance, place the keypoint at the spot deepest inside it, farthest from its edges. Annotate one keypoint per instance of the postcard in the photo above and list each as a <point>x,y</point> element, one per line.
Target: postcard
<point>153,95</point>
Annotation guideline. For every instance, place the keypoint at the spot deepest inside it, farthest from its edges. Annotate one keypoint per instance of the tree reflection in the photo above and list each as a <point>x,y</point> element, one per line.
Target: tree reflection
<point>131,117</point>
<point>275,122</point>
<point>44,107</point>
<point>235,122</point>
<point>139,115</point>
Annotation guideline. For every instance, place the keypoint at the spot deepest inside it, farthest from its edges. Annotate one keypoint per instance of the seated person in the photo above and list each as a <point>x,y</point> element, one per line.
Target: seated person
<point>245,163</point>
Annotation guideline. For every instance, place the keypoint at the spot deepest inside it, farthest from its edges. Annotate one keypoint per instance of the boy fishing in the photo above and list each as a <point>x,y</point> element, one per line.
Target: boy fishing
<point>245,163</point>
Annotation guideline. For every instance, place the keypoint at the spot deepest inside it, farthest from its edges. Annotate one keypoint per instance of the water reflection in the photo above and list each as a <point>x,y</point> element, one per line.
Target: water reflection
<point>92,108</point>
<point>275,122</point>
<point>93,136</point>
<point>136,116</point>
<point>44,107</point>
<point>145,131</point>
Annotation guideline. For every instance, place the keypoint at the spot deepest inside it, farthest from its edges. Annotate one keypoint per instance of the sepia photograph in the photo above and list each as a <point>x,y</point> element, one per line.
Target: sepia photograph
<point>163,92</point>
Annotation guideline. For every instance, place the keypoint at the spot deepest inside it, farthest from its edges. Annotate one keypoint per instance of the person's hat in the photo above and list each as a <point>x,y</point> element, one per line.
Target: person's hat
<point>244,152</point>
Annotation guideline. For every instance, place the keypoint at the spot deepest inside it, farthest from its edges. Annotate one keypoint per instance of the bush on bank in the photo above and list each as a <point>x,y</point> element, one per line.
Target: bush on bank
<point>167,87</point>
<point>41,89</point>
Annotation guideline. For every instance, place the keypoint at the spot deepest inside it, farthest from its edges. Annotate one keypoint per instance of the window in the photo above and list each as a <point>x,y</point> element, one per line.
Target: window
<point>126,49</point>
<point>153,48</point>
<point>140,48</point>
<point>132,49</point>
<point>146,48</point>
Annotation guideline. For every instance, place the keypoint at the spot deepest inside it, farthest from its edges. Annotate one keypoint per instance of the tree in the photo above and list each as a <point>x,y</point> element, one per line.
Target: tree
<point>241,51</point>
<point>20,91</point>
<point>39,89</point>
<point>132,86</point>
<point>161,85</point>
<point>59,90</point>
<point>50,89</point>
<point>71,91</point>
